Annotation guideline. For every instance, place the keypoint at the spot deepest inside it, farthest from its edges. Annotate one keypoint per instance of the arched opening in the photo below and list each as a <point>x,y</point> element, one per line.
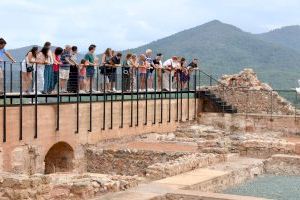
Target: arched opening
<point>59,158</point>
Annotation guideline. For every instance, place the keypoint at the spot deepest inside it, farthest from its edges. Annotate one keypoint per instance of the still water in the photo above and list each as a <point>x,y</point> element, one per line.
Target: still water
<point>270,186</point>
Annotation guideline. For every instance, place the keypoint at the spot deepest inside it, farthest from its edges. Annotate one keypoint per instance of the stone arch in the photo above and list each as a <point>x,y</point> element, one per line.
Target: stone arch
<point>59,158</point>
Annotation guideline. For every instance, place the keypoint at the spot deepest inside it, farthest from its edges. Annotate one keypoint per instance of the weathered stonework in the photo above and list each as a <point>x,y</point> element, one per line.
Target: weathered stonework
<point>182,164</point>
<point>246,93</point>
<point>61,186</point>
<point>283,165</point>
<point>125,162</point>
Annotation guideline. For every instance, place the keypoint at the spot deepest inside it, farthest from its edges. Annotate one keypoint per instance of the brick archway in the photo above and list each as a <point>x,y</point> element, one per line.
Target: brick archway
<point>59,158</point>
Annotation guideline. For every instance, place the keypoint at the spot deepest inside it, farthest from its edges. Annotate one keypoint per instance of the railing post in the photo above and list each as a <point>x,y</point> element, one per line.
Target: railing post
<point>170,93</point>
<point>155,88</point>
<point>146,96</point>
<point>77,102</point>
<point>58,101</point>
<point>177,106</point>
<point>195,95</point>
<point>137,97</point>
<point>122,96</point>
<point>188,99</point>
<point>4,101</point>
<point>104,97</point>
<point>35,104</point>
<point>91,105</point>
<point>11,79</point>
<point>161,96</point>
<point>21,105</point>
<point>181,101</point>
<point>133,73</point>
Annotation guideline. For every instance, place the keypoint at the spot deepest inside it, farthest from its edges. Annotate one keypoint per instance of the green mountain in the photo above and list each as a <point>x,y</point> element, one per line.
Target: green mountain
<point>225,49</point>
<point>287,36</point>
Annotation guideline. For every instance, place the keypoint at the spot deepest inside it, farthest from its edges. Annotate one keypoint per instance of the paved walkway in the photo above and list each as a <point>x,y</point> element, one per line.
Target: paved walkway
<point>175,184</point>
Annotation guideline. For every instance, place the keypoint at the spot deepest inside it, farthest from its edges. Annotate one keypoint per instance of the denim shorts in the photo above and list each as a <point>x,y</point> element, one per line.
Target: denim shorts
<point>81,78</point>
<point>112,77</point>
<point>90,72</point>
<point>150,74</point>
<point>143,75</point>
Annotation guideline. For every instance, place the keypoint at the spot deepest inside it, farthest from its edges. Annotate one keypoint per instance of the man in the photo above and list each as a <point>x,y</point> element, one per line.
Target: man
<point>169,67</point>
<point>115,62</point>
<point>9,56</point>
<point>65,67</point>
<point>194,64</point>
<point>73,79</point>
<point>90,69</point>
<point>150,74</point>
<point>158,66</point>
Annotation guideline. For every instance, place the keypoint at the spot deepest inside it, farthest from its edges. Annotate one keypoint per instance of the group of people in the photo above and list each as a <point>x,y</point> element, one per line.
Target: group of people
<point>61,69</point>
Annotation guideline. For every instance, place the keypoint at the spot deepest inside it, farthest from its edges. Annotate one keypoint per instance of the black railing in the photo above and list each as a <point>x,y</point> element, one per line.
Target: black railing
<point>128,88</point>
<point>167,86</point>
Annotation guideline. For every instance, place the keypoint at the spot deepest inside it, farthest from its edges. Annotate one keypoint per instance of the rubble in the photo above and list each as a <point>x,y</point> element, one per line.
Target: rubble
<point>248,94</point>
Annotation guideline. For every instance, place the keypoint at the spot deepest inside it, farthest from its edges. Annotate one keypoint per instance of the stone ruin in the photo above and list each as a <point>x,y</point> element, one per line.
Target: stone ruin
<point>141,166</point>
<point>248,94</point>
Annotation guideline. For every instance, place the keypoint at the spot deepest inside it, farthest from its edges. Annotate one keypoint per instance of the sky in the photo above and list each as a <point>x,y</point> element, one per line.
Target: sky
<point>123,24</point>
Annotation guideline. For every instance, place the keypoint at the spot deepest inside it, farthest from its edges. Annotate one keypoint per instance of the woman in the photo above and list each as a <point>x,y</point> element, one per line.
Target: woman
<point>105,68</point>
<point>48,71</point>
<point>183,74</point>
<point>42,59</point>
<point>28,66</point>
<point>126,73</point>
<point>133,63</point>
<point>56,62</point>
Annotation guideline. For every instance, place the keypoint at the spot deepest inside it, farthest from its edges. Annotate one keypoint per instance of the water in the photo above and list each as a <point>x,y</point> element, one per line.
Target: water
<point>270,186</point>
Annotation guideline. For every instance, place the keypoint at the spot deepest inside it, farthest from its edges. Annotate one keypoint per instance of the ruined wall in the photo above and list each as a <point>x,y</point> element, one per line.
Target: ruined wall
<point>60,186</point>
<point>283,165</point>
<point>246,93</point>
<point>286,124</point>
<point>125,162</point>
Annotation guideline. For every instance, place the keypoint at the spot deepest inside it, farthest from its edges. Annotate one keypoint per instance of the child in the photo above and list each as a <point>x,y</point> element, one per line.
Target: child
<point>82,75</point>
<point>143,72</point>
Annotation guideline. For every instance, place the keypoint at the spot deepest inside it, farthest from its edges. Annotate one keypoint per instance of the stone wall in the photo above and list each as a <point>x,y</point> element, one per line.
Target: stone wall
<point>183,164</point>
<point>246,93</point>
<point>125,162</point>
<point>61,186</point>
<point>232,178</point>
<point>259,123</point>
<point>283,165</point>
<point>265,149</point>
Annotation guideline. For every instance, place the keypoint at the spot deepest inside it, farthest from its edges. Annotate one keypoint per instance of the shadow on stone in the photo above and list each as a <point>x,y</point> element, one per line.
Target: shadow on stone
<point>59,158</point>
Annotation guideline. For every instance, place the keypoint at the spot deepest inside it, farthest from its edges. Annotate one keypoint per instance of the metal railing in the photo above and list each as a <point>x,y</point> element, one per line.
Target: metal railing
<point>129,88</point>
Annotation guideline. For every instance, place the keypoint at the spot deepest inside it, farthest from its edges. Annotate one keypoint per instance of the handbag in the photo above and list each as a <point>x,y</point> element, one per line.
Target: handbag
<point>29,68</point>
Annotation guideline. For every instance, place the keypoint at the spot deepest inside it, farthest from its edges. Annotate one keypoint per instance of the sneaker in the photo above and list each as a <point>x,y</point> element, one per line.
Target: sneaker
<point>114,90</point>
<point>82,91</point>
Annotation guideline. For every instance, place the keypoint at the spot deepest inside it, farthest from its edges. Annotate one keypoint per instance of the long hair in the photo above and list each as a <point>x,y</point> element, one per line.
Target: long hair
<point>45,51</point>
<point>34,51</point>
<point>108,52</point>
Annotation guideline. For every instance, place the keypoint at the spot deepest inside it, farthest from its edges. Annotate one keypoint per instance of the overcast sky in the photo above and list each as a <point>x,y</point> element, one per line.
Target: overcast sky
<point>123,24</point>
